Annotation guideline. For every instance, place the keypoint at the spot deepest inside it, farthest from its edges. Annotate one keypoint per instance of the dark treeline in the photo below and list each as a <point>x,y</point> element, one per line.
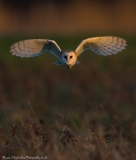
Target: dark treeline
<point>27,3</point>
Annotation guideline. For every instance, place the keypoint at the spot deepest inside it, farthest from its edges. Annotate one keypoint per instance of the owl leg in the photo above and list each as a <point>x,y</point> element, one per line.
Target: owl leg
<point>77,62</point>
<point>58,63</point>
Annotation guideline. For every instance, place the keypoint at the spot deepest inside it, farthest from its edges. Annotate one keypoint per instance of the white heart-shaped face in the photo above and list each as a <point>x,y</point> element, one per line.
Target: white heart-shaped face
<point>69,58</point>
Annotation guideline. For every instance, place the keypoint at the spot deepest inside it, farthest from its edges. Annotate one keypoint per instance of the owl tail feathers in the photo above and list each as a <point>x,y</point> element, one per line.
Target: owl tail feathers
<point>58,63</point>
<point>77,62</point>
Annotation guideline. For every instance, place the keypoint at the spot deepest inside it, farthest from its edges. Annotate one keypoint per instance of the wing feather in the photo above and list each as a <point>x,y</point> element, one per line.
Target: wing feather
<point>106,45</point>
<point>35,47</point>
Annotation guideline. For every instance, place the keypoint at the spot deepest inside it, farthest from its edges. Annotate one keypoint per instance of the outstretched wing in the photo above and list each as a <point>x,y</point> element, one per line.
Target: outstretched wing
<point>35,47</point>
<point>106,45</point>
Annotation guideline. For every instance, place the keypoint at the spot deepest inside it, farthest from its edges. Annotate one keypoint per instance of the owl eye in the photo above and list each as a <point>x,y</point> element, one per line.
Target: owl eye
<point>65,57</point>
<point>71,57</point>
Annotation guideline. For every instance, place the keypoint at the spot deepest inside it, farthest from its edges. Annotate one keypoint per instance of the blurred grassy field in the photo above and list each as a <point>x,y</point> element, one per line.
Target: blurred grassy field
<point>86,112</point>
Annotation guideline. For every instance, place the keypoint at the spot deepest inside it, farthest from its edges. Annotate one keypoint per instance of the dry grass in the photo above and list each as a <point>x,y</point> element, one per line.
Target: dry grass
<point>94,140</point>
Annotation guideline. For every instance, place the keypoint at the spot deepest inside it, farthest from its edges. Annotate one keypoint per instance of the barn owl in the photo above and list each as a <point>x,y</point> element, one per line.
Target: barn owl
<point>106,45</point>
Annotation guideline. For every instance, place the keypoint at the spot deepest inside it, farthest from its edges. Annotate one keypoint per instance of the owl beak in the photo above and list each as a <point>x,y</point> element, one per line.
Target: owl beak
<point>67,62</point>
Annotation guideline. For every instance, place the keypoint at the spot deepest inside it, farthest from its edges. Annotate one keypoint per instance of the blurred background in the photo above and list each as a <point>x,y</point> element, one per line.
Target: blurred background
<point>97,96</point>
<point>67,16</point>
